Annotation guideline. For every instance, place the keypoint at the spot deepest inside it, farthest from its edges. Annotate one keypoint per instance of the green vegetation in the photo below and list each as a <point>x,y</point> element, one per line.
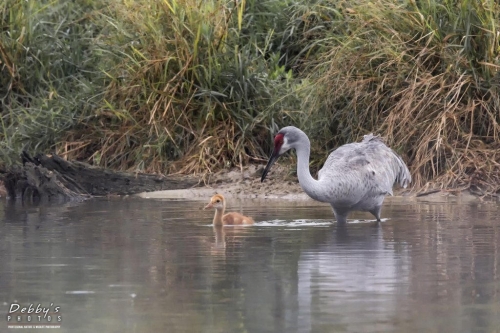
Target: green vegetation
<point>196,86</point>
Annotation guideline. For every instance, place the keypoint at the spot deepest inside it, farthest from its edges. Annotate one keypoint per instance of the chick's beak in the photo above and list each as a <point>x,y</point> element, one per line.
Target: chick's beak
<point>208,206</point>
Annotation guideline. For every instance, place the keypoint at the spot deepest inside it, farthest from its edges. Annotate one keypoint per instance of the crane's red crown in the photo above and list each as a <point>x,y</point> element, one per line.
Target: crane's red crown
<point>278,140</point>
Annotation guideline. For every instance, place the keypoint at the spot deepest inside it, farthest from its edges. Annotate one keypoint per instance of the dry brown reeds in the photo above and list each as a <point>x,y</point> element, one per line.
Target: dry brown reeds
<point>424,75</point>
<point>196,86</point>
<point>190,92</point>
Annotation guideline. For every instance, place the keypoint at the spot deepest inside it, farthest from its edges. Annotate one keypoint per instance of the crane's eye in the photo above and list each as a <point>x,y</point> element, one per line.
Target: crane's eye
<point>217,201</point>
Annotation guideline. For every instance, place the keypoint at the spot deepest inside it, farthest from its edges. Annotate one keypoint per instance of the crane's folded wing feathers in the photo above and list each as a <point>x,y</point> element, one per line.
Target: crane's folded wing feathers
<point>369,160</point>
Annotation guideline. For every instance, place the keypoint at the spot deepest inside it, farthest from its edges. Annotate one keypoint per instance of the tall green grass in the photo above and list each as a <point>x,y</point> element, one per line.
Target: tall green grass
<point>195,86</point>
<point>424,74</point>
<point>192,86</point>
<point>49,77</point>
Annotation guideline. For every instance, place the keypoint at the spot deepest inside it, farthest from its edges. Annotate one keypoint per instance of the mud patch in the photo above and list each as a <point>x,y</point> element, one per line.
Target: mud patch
<point>283,184</point>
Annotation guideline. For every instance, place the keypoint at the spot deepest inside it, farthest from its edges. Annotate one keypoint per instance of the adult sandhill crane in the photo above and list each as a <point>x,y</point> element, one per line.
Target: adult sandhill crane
<point>219,203</point>
<point>356,176</point>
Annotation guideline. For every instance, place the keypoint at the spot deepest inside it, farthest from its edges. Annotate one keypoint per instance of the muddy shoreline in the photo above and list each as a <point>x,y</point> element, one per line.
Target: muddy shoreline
<point>280,184</point>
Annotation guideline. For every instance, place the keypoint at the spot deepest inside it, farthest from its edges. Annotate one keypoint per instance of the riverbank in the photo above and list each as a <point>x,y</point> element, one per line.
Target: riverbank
<point>185,88</point>
<point>280,184</point>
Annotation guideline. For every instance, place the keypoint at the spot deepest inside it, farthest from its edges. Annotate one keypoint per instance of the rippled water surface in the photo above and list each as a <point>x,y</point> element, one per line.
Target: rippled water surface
<point>139,265</point>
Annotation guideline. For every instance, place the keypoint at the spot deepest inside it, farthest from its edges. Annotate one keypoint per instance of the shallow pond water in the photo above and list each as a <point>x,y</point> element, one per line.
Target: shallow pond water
<point>143,265</point>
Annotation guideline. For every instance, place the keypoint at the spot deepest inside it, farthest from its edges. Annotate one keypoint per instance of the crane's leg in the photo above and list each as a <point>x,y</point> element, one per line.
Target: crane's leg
<point>376,212</point>
<point>341,216</point>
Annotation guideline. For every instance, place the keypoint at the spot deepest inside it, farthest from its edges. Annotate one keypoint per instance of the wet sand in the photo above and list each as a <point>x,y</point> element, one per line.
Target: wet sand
<point>281,184</point>
<point>242,184</point>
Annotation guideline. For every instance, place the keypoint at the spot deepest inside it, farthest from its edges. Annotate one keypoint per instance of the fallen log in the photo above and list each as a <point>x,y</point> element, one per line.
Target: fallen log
<point>53,178</point>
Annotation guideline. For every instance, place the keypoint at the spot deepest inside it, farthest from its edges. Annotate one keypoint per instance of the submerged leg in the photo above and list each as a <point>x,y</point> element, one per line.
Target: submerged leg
<point>340,215</point>
<point>376,212</point>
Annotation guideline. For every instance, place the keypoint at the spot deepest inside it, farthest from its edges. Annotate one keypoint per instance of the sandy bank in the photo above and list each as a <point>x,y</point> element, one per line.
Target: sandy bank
<point>279,184</point>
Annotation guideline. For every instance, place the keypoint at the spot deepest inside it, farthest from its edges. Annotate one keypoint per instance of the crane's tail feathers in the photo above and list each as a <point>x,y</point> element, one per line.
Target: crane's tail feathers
<point>371,137</point>
<point>401,171</point>
<point>403,176</point>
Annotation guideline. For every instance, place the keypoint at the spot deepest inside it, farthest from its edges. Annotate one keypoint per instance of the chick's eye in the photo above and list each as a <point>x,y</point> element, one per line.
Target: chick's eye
<point>217,201</point>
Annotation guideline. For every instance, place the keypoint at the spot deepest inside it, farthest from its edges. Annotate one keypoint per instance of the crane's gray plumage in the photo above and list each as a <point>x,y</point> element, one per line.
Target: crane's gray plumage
<point>356,176</point>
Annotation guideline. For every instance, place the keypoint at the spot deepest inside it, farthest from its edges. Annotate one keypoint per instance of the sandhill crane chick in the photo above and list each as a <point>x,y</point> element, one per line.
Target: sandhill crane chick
<point>219,203</point>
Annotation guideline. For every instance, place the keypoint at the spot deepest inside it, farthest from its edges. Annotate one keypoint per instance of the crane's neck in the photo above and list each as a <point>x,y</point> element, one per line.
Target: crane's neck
<point>310,185</point>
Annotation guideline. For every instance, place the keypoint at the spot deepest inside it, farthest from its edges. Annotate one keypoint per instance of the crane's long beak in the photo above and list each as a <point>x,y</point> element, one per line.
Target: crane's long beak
<point>208,206</point>
<point>274,156</point>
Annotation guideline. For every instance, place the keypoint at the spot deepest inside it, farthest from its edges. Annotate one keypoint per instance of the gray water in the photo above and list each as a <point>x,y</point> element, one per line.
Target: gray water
<point>143,265</point>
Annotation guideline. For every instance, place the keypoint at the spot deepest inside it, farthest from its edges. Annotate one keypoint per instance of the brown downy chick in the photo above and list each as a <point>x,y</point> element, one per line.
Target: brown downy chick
<point>219,203</point>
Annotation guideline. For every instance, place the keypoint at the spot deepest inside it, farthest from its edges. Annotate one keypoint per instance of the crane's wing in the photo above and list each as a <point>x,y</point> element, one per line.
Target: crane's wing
<point>370,162</point>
